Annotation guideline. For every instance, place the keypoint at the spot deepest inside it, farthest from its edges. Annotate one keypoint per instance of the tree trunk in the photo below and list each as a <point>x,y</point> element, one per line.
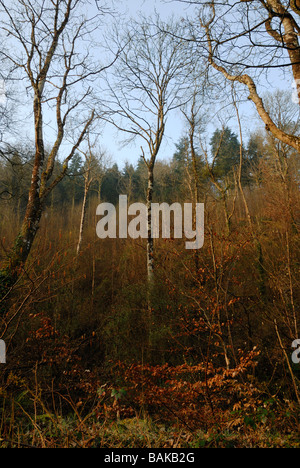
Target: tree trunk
<point>288,40</point>
<point>83,215</point>
<point>150,246</point>
<point>34,210</point>
<point>22,247</point>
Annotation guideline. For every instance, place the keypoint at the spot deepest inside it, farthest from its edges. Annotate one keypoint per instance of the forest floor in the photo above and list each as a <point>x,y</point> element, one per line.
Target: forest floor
<point>141,433</point>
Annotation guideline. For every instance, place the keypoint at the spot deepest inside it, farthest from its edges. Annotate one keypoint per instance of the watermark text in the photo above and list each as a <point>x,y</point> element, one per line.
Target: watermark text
<point>187,221</point>
<point>296,353</point>
<point>2,352</point>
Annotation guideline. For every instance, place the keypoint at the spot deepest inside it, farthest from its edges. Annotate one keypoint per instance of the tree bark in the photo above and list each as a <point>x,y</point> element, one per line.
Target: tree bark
<point>150,243</point>
<point>87,183</point>
<point>290,42</point>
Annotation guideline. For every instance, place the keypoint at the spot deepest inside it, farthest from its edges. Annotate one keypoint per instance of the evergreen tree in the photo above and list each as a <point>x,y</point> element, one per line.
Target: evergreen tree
<point>110,186</point>
<point>253,154</point>
<point>225,148</point>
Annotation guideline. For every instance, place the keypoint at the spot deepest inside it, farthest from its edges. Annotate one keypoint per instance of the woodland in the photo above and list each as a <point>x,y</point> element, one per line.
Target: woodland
<point>141,343</point>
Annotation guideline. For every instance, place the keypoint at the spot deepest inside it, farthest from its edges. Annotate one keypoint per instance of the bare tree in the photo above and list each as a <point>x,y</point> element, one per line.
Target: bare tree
<point>145,86</point>
<point>47,46</point>
<point>247,38</point>
<point>5,116</point>
<point>94,159</point>
<point>194,119</point>
<point>222,186</point>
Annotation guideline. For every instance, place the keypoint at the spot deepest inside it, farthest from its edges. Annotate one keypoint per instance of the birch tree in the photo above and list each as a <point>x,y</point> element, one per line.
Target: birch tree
<point>145,86</point>
<point>47,46</point>
<point>94,159</point>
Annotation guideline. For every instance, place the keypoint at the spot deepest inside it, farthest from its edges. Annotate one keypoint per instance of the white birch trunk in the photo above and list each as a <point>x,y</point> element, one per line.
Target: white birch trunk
<point>150,246</point>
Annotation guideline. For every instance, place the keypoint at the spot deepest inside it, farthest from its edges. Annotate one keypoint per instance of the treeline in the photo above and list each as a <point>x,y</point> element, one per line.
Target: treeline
<point>172,177</point>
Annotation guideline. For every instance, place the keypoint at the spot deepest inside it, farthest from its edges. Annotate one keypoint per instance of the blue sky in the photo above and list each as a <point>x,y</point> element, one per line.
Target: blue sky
<point>175,125</point>
<point>174,129</point>
<point>111,141</point>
